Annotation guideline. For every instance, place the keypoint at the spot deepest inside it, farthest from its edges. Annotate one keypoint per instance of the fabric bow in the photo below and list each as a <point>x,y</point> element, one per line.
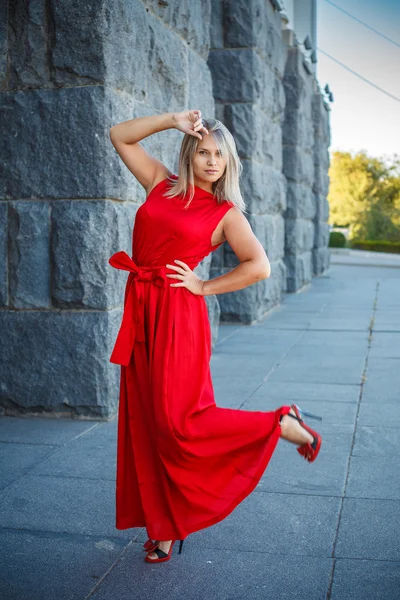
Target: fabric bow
<point>132,325</point>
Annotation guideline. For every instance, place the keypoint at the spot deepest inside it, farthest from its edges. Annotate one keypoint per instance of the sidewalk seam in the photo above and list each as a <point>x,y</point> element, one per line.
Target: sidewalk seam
<point>363,378</point>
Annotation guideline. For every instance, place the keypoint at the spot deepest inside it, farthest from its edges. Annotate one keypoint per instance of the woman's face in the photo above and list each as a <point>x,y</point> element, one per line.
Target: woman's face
<point>208,164</point>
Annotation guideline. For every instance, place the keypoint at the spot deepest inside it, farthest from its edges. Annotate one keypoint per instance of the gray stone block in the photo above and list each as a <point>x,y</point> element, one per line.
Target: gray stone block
<point>4,19</point>
<point>250,304</point>
<point>270,231</point>
<point>200,85</point>
<point>189,20</point>
<point>29,260</point>
<point>300,201</point>
<point>321,260</point>
<point>47,121</point>
<point>321,234</point>
<point>84,236</point>
<point>264,188</point>
<point>241,84</point>
<point>298,165</point>
<point>322,207</point>
<point>299,270</point>
<point>216,25</point>
<point>27,56</point>
<point>320,115</point>
<point>321,181</point>
<point>62,366</point>
<point>4,299</point>
<point>257,137</point>
<point>299,237</point>
<point>165,84</point>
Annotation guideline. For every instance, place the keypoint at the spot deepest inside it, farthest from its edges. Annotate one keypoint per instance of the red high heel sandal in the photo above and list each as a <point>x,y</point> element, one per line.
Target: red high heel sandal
<point>162,556</point>
<point>308,450</point>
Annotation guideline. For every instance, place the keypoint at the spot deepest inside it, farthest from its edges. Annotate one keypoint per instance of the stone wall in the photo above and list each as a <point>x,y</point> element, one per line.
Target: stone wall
<point>69,72</point>
<point>247,60</point>
<point>67,202</point>
<point>322,140</point>
<point>298,167</point>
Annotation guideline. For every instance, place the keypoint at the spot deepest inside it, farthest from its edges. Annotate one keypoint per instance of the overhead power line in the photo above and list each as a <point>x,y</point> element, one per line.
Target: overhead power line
<point>360,76</point>
<point>387,38</point>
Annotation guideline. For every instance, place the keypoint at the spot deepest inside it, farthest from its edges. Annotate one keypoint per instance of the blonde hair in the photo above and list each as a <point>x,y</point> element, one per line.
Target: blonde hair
<point>227,186</point>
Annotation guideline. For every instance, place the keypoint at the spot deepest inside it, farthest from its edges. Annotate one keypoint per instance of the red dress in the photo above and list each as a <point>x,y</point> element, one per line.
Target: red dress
<point>183,463</point>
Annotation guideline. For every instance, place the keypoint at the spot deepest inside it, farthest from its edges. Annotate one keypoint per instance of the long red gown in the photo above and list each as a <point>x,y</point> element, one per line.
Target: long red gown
<point>183,463</point>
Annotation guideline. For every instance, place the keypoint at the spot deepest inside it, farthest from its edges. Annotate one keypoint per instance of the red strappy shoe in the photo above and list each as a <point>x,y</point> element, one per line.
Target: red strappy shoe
<point>308,450</point>
<point>162,556</point>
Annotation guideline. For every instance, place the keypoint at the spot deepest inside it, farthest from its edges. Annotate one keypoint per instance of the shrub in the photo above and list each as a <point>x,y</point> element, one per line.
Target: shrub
<point>376,246</point>
<point>337,239</point>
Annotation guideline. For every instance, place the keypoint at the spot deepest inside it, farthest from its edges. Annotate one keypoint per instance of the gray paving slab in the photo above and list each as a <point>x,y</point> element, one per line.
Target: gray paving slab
<point>232,392</point>
<point>200,573</point>
<point>238,364</point>
<point>300,392</point>
<point>289,473</point>
<point>373,476</point>
<point>369,528</point>
<point>60,504</point>
<point>311,355</point>
<point>260,340</point>
<point>366,580</point>
<point>41,431</point>
<point>384,415</point>
<point>357,341</point>
<point>18,459</point>
<point>87,456</point>
<point>37,565</point>
<point>385,345</point>
<point>376,441</point>
<point>292,371</point>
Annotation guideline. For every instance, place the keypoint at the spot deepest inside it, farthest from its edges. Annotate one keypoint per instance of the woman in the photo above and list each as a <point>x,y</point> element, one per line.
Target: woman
<point>184,464</point>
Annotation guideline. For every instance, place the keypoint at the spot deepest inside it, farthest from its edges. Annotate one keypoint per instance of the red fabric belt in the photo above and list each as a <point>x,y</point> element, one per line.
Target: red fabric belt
<point>132,325</point>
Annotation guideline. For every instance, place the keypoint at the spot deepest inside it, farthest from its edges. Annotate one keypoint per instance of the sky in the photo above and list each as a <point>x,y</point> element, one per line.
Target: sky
<point>361,117</point>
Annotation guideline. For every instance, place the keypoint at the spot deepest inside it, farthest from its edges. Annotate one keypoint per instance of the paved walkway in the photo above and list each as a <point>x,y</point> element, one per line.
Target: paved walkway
<point>327,530</point>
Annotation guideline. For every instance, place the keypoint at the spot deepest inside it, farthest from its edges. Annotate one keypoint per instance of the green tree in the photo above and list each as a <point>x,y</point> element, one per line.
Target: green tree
<point>364,195</point>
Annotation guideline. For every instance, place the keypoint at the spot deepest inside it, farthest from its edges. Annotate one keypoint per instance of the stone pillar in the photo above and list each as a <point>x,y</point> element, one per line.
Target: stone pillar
<point>320,251</point>
<point>67,201</point>
<point>298,167</point>
<point>247,59</point>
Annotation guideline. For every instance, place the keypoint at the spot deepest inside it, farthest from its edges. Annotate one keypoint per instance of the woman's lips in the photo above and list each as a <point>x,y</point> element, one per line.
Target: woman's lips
<point>211,171</point>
